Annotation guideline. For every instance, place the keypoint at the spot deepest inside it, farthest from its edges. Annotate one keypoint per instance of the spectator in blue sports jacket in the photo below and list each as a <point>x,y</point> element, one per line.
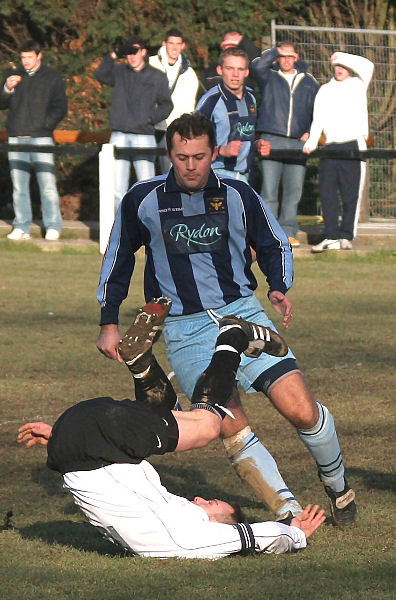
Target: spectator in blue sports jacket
<point>141,98</point>
<point>285,116</point>
<point>231,106</point>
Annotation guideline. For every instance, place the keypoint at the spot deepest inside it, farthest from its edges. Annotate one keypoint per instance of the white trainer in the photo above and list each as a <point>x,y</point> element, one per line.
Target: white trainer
<point>346,244</point>
<point>52,235</point>
<point>327,245</point>
<point>18,234</point>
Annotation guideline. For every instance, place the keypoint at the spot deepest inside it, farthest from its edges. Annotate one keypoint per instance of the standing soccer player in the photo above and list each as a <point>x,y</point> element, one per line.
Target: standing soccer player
<point>197,230</point>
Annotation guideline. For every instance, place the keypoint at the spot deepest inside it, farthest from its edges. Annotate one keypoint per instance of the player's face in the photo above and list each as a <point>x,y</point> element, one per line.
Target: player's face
<point>287,63</point>
<point>30,60</point>
<point>217,510</point>
<point>340,73</point>
<point>137,61</point>
<point>233,72</point>
<point>174,47</point>
<point>191,161</point>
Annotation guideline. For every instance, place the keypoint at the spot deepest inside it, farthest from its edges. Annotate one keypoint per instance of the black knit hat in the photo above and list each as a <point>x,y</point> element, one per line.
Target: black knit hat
<point>132,45</point>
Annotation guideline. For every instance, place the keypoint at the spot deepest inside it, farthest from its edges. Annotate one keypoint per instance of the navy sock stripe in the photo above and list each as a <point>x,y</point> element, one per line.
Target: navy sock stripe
<point>330,471</point>
<point>332,462</point>
<point>248,542</point>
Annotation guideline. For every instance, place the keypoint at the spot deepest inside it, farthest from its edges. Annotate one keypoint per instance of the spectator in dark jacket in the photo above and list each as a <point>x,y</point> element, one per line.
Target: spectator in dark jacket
<point>232,39</point>
<point>285,116</point>
<point>36,101</point>
<point>141,98</point>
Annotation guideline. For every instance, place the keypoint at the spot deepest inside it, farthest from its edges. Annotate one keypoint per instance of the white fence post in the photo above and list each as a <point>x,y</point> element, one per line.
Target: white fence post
<point>106,194</point>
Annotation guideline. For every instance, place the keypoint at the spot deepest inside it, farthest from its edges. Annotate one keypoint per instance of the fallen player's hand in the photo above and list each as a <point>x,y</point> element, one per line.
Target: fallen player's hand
<point>34,433</point>
<point>310,520</point>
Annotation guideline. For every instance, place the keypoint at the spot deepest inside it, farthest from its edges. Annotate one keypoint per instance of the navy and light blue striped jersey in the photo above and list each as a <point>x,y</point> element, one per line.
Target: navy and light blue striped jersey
<point>233,119</point>
<point>197,245</point>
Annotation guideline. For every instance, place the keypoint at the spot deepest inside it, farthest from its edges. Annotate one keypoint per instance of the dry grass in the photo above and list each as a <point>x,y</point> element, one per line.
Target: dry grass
<point>344,338</point>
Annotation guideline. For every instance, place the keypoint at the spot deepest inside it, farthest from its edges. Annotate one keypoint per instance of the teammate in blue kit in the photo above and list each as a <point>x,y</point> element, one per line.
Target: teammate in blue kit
<point>231,106</point>
<point>197,230</point>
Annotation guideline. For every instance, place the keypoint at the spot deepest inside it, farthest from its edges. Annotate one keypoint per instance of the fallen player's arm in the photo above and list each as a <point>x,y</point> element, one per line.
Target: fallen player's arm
<point>34,433</point>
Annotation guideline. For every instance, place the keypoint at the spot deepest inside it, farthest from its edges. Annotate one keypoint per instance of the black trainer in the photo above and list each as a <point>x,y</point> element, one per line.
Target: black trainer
<point>342,505</point>
<point>261,339</point>
<point>144,331</point>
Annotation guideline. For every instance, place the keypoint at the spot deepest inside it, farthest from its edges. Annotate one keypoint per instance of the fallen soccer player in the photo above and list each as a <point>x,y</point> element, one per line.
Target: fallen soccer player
<point>100,446</point>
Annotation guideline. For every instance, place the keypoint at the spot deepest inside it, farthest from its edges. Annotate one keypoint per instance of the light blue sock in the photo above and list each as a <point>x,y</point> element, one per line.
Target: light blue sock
<point>322,442</point>
<point>256,467</point>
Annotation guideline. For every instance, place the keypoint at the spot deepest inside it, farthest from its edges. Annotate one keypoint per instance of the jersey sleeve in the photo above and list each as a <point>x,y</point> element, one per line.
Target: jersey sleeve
<point>216,540</point>
<point>270,242</point>
<point>118,261</point>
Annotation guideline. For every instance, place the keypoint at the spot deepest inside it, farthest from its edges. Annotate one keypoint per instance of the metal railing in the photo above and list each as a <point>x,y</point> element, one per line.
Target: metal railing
<point>316,45</point>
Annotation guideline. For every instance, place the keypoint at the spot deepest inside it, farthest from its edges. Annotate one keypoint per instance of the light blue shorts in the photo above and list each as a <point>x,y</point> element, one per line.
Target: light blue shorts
<point>191,342</point>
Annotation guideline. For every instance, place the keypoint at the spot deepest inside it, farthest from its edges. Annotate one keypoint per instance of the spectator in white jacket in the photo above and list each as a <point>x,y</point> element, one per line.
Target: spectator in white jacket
<point>183,84</point>
<point>340,112</point>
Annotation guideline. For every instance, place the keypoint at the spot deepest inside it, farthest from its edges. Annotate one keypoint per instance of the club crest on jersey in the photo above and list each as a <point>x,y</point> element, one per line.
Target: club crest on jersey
<point>216,205</point>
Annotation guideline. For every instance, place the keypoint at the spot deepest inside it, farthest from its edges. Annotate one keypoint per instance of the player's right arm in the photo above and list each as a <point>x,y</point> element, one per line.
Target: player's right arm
<point>115,276</point>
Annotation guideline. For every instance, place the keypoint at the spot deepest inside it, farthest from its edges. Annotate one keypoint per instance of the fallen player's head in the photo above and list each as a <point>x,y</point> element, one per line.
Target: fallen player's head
<point>220,511</point>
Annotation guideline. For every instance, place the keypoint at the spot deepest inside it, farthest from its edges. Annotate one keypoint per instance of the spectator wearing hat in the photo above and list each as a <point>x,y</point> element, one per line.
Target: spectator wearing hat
<point>141,98</point>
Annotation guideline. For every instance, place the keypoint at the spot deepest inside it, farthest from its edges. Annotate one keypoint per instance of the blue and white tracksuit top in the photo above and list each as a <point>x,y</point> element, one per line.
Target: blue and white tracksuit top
<point>197,245</point>
<point>234,119</point>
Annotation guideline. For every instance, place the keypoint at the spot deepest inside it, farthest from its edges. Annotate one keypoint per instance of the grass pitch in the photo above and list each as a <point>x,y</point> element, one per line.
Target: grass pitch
<point>344,337</point>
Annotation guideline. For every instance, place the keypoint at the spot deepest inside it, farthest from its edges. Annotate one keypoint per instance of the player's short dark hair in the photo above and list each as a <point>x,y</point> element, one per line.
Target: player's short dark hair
<point>238,516</point>
<point>189,126</point>
<point>173,33</point>
<point>30,46</point>
<point>233,52</point>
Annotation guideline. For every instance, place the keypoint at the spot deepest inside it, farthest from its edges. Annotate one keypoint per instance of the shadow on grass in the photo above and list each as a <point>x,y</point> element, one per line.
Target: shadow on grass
<point>375,479</point>
<point>81,536</point>
<point>186,482</point>
<point>191,482</point>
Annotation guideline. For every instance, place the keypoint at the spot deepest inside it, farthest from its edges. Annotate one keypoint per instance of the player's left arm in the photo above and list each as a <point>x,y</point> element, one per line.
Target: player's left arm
<point>34,433</point>
<point>274,255</point>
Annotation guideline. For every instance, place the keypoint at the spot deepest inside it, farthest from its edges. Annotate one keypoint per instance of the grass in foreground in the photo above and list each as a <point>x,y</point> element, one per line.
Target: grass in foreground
<point>343,336</point>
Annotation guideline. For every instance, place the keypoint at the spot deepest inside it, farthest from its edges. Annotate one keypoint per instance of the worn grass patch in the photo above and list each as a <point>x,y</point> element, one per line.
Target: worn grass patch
<point>344,337</point>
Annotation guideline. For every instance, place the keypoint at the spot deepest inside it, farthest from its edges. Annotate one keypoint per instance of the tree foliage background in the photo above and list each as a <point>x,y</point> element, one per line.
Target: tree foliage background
<point>76,34</point>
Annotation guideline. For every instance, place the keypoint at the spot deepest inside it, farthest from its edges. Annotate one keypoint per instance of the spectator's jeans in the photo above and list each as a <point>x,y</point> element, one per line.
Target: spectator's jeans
<point>292,176</point>
<point>43,165</point>
<point>144,165</point>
